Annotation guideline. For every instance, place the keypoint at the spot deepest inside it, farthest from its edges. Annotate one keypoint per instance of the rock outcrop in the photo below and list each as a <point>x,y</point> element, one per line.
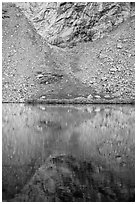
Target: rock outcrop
<point>66,23</point>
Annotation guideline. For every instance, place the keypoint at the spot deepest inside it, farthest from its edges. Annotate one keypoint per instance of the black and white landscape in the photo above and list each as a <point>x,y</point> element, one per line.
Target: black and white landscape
<point>68,93</point>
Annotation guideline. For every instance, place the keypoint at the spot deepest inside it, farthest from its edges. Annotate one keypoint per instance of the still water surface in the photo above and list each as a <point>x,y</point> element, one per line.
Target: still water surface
<point>68,153</point>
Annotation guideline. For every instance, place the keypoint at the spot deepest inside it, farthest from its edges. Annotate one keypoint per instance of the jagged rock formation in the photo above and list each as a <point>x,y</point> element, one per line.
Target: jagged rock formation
<point>67,23</point>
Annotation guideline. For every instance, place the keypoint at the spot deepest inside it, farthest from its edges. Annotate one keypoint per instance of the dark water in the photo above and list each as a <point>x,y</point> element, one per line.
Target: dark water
<point>68,153</point>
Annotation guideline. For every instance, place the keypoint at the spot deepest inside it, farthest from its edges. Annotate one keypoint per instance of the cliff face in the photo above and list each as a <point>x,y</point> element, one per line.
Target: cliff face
<point>67,23</point>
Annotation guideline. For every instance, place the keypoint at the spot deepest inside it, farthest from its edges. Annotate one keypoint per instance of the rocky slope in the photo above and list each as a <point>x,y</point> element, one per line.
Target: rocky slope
<point>102,71</point>
<point>67,23</point>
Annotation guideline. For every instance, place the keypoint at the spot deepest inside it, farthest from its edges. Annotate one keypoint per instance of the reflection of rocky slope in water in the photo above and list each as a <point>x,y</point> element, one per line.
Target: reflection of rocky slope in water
<point>99,133</point>
<point>64,178</point>
<point>112,132</point>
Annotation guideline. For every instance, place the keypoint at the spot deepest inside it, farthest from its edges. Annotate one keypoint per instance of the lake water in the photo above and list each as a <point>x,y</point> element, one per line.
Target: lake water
<point>89,147</point>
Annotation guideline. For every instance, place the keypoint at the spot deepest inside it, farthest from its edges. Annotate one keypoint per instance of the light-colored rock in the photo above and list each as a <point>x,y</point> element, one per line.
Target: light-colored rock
<point>90,97</point>
<point>97,96</point>
<point>113,69</point>
<point>43,97</point>
<point>67,23</point>
<point>107,96</point>
<point>119,45</point>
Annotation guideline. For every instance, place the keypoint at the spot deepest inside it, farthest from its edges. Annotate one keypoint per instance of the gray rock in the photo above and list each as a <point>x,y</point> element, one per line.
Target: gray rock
<point>113,69</point>
<point>97,96</point>
<point>66,24</point>
<point>119,45</point>
<point>90,97</point>
<point>107,96</point>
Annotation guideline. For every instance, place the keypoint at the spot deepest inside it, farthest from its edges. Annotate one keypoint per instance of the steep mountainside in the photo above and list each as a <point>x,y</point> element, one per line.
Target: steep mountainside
<point>95,72</point>
<point>67,23</point>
